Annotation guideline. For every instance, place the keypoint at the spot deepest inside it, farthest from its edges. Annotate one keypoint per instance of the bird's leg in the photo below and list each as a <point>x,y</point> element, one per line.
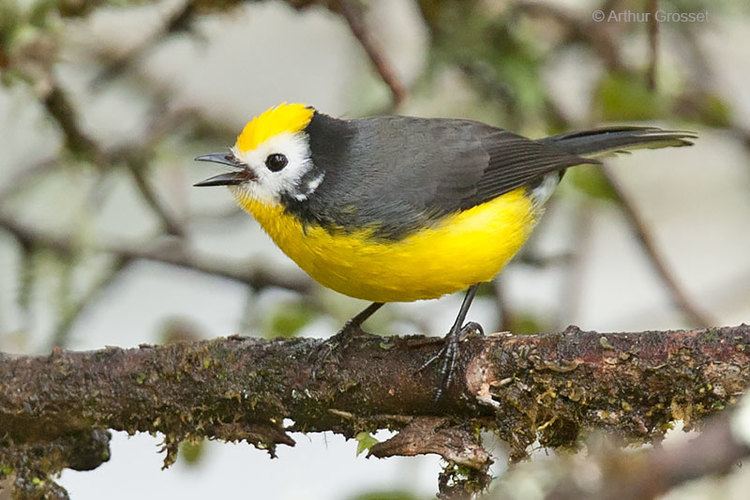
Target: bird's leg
<point>449,353</point>
<point>353,326</point>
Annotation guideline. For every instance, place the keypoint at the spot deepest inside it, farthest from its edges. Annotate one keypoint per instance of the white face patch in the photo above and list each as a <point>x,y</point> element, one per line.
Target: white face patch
<point>269,186</point>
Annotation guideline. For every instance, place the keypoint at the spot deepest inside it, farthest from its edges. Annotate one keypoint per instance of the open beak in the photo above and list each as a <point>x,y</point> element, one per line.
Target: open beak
<point>243,174</point>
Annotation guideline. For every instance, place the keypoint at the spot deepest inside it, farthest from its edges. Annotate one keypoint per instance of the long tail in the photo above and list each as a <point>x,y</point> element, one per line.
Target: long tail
<point>610,140</point>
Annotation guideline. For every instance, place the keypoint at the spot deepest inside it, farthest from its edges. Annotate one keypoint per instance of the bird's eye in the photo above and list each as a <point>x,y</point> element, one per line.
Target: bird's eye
<point>276,162</point>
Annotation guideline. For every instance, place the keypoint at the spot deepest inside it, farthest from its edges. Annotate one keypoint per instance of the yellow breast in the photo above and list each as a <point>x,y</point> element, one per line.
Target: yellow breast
<point>463,249</point>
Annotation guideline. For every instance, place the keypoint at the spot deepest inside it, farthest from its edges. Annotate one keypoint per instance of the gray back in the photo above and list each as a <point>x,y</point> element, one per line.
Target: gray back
<point>397,174</point>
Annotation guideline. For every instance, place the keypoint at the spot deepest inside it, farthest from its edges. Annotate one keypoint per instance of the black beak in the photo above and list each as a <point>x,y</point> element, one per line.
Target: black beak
<point>244,174</point>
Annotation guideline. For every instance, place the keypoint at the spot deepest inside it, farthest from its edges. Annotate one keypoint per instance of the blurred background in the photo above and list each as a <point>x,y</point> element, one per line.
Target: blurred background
<point>103,241</point>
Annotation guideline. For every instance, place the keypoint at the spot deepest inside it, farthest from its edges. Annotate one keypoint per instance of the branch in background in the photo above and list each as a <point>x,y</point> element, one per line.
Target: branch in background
<point>504,311</point>
<point>353,16</point>
<point>650,474</point>
<point>679,297</point>
<point>484,79</point>
<point>653,43</point>
<point>608,473</point>
<point>179,21</point>
<point>137,169</point>
<point>701,70</point>
<point>525,388</point>
<point>19,180</point>
<point>601,40</point>
<point>61,335</point>
<point>224,214</point>
<point>424,433</point>
<point>595,35</point>
<point>691,312</point>
<point>78,142</point>
<point>59,107</point>
<point>248,273</point>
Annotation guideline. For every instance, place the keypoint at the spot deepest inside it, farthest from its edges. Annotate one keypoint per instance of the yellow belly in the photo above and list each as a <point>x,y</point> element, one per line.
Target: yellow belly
<point>463,249</point>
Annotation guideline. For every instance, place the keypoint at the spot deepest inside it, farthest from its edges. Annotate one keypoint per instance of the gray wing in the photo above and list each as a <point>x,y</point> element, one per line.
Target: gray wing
<point>396,174</point>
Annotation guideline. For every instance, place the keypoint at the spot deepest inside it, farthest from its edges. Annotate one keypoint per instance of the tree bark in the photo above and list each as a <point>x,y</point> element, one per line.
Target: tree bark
<point>547,387</point>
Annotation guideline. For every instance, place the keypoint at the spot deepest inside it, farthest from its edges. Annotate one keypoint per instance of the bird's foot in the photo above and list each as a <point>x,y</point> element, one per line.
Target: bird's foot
<point>448,355</point>
<point>338,342</point>
<point>341,339</point>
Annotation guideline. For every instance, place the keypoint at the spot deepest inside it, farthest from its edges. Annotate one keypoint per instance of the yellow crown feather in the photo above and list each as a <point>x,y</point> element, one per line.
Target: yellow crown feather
<point>286,117</point>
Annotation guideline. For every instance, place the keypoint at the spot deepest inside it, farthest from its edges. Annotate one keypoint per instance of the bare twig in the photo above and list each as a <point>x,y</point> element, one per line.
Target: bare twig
<point>178,21</point>
<point>223,214</point>
<point>17,183</point>
<point>138,160</point>
<point>136,157</point>
<point>691,312</point>
<point>679,297</point>
<point>595,35</point>
<point>483,78</point>
<point>504,312</point>
<point>571,289</point>
<point>701,70</point>
<point>653,41</point>
<point>60,108</point>
<point>359,29</point>
<point>244,272</point>
<point>171,225</point>
<point>61,334</point>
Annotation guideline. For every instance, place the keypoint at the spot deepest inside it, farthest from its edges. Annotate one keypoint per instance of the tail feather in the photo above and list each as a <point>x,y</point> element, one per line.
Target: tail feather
<point>620,139</point>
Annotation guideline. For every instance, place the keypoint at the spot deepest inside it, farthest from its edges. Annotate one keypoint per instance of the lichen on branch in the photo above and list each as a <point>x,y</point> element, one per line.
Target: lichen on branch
<point>549,388</point>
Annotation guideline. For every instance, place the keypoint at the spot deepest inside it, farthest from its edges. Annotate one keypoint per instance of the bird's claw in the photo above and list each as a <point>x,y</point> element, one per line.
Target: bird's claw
<point>341,339</point>
<point>448,355</point>
<point>337,342</point>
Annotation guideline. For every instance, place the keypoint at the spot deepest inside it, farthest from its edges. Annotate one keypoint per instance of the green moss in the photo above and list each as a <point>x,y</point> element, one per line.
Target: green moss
<point>459,481</point>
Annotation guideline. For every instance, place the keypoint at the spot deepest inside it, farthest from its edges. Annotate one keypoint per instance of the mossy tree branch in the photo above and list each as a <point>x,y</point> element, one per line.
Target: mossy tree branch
<point>546,387</point>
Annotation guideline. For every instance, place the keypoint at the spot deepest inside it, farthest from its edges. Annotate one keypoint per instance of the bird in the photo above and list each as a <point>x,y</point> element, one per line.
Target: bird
<point>400,208</point>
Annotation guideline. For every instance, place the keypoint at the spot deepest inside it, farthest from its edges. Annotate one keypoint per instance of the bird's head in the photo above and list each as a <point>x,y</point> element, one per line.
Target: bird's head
<point>271,157</point>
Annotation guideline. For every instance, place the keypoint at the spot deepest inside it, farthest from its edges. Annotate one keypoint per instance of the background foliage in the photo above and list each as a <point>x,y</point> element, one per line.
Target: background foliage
<point>104,105</point>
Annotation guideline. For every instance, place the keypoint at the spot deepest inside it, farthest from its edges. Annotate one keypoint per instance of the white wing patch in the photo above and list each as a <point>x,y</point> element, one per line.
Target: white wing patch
<point>544,190</point>
<point>308,187</point>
